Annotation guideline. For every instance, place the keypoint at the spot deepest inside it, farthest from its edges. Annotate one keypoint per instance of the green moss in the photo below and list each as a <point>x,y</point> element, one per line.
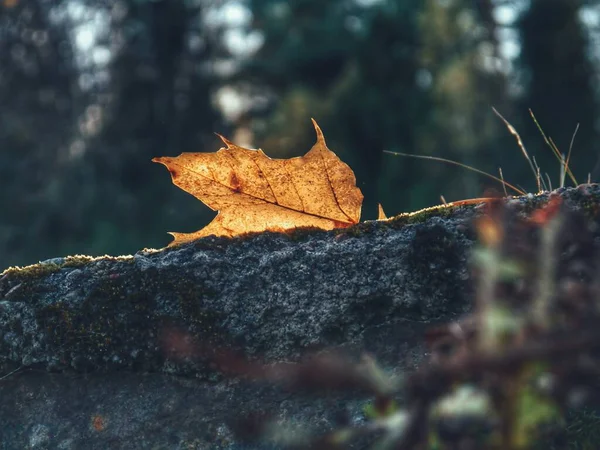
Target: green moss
<point>44,268</point>
<point>116,318</point>
<point>33,270</point>
<point>355,230</point>
<point>425,214</point>
<point>192,299</point>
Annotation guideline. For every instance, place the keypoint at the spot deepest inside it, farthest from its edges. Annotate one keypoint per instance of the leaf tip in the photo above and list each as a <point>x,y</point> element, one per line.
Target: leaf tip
<point>167,161</point>
<point>320,137</point>
<point>178,238</point>
<point>226,141</point>
<point>381,213</point>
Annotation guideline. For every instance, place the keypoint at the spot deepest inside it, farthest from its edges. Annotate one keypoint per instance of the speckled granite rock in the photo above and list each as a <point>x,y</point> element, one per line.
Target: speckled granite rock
<point>115,352</point>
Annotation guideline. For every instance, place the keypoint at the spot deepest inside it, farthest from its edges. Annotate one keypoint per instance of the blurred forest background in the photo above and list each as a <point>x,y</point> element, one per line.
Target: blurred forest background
<point>91,90</point>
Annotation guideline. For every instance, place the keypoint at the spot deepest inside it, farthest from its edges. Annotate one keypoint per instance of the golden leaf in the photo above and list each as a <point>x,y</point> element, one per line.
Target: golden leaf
<point>254,193</point>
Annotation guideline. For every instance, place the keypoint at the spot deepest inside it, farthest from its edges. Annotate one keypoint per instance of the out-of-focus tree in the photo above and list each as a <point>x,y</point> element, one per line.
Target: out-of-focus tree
<point>306,42</point>
<point>353,68</point>
<point>557,76</point>
<point>89,93</point>
<point>467,77</point>
<point>157,102</point>
<point>39,97</point>
<point>381,105</point>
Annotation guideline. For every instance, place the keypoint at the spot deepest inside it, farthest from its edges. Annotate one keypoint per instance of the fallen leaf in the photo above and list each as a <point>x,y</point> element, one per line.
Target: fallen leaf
<point>254,193</point>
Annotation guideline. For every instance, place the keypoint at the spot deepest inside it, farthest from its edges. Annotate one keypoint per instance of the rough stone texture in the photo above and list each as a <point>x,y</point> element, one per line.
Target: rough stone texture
<point>85,344</point>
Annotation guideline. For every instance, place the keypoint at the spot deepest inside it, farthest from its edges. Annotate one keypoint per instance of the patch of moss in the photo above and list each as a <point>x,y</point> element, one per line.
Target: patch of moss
<point>44,268</point>
<point>401,220</point>
<point>422,215</point>
<point>33,270</point>
<point>116,322</point>
<point>355,230</point>
<point>192,299</point>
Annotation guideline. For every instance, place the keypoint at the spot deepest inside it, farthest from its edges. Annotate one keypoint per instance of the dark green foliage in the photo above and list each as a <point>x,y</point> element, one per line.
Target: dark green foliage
<point>302,44</point>
<point>77,134</point>
<point>160,105</point>
<point>38,100</point>
<point>557,83</point>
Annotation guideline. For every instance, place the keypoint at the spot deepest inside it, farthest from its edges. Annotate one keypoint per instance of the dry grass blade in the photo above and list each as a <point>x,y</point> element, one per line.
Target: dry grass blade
<point>503,182</point>
<point>554,148</point>
<point>464,166</point>
<point>549,181</point>
<point>541,181</point>
<point>564,167</point>
<point>514,132</point>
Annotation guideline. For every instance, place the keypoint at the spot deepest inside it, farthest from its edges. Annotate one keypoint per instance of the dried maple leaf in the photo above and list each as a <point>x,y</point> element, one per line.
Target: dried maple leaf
<point>254,193</point>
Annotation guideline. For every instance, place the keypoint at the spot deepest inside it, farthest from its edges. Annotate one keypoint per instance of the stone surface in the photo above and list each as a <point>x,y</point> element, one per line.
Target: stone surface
<point>115,352</point>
